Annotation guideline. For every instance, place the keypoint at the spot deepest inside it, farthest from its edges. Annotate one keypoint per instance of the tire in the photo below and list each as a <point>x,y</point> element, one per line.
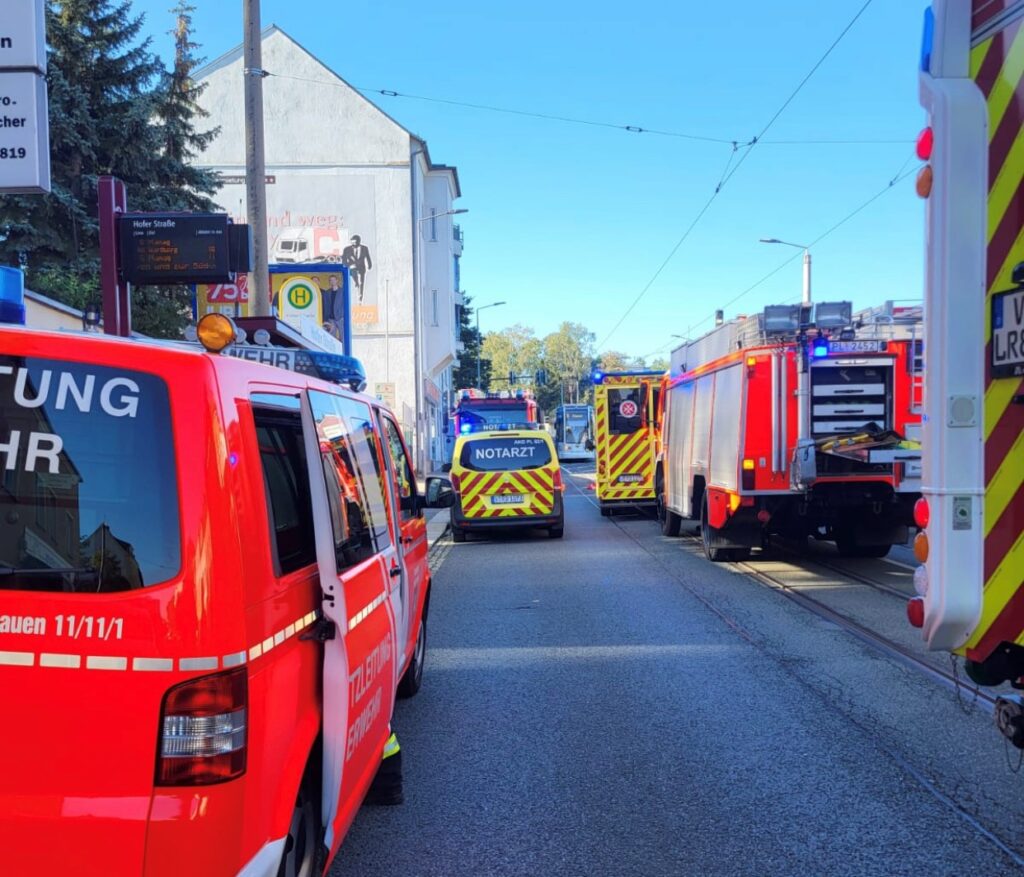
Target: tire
<point>606,512</point>
<point>556,532</point>
<point>670,521</point>
<point>458,534</point>
<point>303,855</point>
<point>714,549</point>
<point>412,679</point>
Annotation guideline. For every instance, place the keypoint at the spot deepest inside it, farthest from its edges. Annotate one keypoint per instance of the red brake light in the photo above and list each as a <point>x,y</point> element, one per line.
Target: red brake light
<point>203,730</point>
<point>915,611</point>
<point>558,480</point>
<point>925,141</point>
<point>922,513</point>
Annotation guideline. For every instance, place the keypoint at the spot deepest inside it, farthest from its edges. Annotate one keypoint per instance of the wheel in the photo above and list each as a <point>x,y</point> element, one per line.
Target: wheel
<point>714,549</point>
<point>851,549</point>
<point>606,512</point>
<point>670,521</point>
<point>302,856</point>
<point>556,532</point>
<point>458,534</point>
<point>412,679</point>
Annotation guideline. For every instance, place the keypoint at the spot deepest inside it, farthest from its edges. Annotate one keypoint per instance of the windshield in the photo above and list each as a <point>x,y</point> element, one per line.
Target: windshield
<point>89,482</point>
<point>502,454</point>
<point>576,426</point>
<point>495,416</point>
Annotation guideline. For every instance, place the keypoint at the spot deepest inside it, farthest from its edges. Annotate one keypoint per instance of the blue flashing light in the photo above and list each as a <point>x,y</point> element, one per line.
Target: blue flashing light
<point>927,40</point>
<point>466,428</point>
<point>820,348</point>
<point>335,367</point>
<point>12,296</point>
<point>597,376</point>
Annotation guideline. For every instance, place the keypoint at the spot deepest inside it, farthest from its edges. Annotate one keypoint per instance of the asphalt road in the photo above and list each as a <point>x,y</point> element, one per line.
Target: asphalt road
<point>612,704</point>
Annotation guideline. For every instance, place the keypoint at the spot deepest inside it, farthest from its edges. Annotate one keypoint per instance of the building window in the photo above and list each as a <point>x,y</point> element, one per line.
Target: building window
<point>433,225</point>
<point>433,307</point>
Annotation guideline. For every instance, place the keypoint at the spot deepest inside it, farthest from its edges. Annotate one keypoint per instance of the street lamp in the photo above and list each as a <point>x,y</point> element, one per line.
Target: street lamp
<point>446,213</point>
<point>807,264</point>
<point>480,341</point>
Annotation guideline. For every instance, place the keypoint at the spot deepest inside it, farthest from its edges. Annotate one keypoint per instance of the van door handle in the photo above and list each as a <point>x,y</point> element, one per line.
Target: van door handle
<point>407,540</point>
<point>396,571</point>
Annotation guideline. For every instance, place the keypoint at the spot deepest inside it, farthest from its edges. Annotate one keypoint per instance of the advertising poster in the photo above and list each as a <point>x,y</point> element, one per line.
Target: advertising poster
<point>323,219</point>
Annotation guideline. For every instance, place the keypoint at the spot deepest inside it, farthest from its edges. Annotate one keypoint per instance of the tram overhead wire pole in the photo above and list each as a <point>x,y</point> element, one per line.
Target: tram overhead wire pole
<point>807,264</point>
<point>255,160</point>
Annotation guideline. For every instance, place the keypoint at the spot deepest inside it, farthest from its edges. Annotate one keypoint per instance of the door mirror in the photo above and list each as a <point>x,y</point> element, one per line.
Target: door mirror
<point>589,445</point>
<point>440,493</point>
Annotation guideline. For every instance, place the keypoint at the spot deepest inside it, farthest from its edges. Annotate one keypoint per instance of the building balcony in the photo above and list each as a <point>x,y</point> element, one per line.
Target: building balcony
<point>457,240</point>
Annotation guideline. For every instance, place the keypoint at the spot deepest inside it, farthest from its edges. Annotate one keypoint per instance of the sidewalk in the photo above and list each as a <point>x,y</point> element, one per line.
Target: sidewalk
<point>437,524</point>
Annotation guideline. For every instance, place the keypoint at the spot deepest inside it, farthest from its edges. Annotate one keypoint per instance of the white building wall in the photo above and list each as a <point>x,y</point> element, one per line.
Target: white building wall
<point>339,166</point>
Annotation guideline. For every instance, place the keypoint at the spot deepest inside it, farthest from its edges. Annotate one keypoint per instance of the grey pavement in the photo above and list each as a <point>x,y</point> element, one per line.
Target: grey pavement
<point>612,704</point>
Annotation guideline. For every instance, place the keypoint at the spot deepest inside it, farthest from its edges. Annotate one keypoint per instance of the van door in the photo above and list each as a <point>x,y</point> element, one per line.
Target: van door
<point>412,526</point>
<point>357,561</point>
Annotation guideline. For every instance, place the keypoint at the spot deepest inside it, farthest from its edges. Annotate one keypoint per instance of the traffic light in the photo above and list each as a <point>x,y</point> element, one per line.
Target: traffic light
<point>541,377</point>
<point>511,378</point>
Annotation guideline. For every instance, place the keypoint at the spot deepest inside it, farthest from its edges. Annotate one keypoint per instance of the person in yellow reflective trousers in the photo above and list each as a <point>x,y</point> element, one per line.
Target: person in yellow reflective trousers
<point>386,789</point>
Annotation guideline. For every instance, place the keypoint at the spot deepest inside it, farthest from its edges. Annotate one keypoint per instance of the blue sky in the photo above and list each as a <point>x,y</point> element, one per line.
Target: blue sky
<point>570,222</point>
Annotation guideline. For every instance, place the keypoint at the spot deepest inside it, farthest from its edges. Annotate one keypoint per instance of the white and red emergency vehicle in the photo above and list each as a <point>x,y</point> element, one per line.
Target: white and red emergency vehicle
<point>780,424</point>
<point>972,548</point>
<point>213,583</point>
<point>476,411</point>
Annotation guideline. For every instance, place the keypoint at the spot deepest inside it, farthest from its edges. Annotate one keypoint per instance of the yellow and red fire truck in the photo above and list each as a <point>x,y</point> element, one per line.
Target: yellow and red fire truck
<point>625,406</point>
<point>793,423</point>
<point>971,583</point>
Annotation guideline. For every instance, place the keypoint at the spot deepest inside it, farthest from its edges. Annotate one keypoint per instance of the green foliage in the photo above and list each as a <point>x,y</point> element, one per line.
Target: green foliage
<point>465,375</point>
<point>113,110</point>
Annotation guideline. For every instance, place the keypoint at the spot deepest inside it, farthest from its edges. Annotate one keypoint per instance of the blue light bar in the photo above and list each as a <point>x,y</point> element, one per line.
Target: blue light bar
<point>821,347</point>
<point>927,40</point>
<point>597,376</point>
<point>12,296</point>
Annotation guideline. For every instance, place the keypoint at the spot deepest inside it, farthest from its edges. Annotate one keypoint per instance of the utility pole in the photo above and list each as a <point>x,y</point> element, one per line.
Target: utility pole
<point>255,161</point>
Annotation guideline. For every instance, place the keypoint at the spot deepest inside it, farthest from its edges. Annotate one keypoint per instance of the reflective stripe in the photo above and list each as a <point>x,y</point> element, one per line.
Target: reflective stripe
<point>234,660</point>
<point>18,659</point>
<point>198,663</point>
<point>391,747</point>
<point>70,661</point>
<point>104,662</point>
<point>162,664</point>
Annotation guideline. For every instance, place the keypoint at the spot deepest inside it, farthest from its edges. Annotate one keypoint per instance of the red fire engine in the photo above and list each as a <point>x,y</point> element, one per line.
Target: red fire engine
<point>777,424</point>
<point>476,410</point>
<point>972,548</point>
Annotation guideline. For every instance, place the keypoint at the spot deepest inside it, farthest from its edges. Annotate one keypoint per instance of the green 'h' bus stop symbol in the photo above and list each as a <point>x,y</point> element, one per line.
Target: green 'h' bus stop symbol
<point>300,296</point>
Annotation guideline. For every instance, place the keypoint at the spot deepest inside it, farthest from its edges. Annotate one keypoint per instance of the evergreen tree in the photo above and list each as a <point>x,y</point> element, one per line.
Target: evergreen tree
<point>113,110</point>
<point>465,375</point>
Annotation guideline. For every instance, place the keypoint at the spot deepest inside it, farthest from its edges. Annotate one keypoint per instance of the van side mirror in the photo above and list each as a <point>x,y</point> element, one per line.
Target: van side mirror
<point>589,445</point>
<point>440,493</point>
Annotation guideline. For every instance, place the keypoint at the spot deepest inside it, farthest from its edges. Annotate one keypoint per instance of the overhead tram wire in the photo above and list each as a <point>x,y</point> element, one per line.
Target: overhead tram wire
<point>595,123</point>
<point>899,178</point>
<point>730,170</point>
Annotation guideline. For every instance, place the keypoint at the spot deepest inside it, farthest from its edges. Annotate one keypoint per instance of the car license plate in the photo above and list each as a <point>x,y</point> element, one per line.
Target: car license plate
<point>630,479</point>
<point>508,499</point>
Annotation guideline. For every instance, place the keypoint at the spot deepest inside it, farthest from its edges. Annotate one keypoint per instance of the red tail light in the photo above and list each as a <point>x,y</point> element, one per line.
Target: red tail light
<point>203,731</point>
<point>915,611</point>
<point>558,480</point>
<point>922,513</point>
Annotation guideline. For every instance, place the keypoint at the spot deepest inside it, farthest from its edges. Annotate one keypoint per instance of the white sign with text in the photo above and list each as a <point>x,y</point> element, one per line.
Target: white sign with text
<point>23,35</point>
<point>24,133</point>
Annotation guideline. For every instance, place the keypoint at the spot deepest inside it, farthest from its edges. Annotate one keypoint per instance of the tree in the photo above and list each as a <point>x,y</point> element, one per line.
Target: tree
<point>614,360</point>
<point>660,363</point>
<point>516,349</point>
<point>111,112</point>
<point>465,375</point>
<point>568,354</point>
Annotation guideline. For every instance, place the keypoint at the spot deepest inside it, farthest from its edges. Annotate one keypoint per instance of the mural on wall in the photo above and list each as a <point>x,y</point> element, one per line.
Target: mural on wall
<point>322,218</point>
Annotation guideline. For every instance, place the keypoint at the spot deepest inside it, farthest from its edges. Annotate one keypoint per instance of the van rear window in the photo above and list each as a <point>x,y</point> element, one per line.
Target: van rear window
<point>502,454</point>
<point>88,481</point>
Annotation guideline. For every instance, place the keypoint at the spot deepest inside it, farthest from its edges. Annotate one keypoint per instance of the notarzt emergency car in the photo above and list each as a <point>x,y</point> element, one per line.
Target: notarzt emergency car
<point>213,583</point>
<point>506,479</point>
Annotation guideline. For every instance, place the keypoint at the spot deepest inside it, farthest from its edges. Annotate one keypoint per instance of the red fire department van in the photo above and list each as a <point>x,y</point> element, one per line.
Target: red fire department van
<point>772,427</point>
<point>971,582</point>
<point>213,580</point>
